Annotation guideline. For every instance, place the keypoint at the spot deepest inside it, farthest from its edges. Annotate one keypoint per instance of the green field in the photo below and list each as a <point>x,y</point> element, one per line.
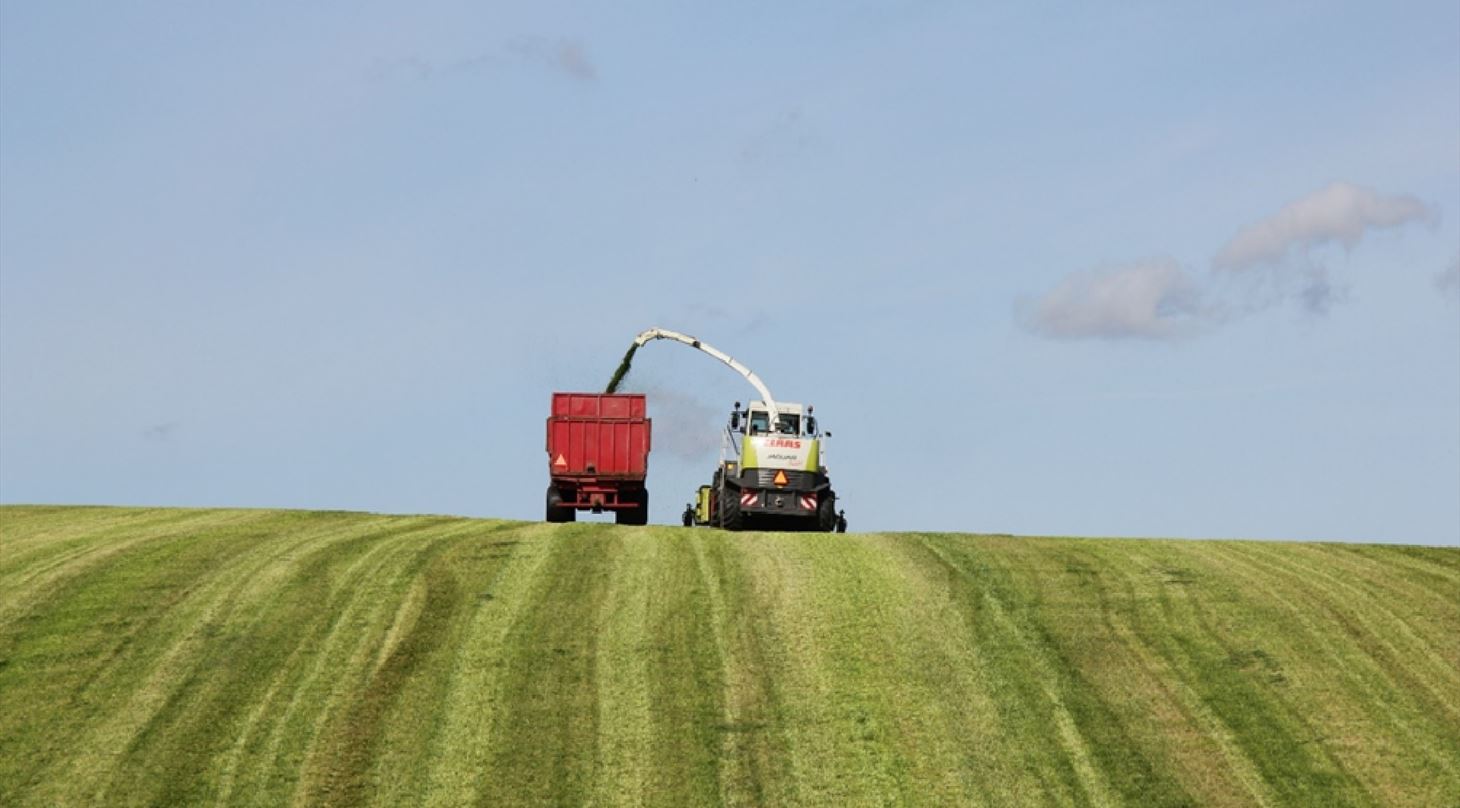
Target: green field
<point>162,656</point>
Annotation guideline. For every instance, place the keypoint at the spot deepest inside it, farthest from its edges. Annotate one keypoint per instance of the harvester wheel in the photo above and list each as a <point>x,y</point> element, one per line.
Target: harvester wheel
<point>555,510</point>
<point>731,517</point>
<point>826,512</point>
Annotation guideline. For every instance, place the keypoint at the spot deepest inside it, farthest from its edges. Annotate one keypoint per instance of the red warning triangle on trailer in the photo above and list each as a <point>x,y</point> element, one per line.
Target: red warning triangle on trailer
<point>560,462</point>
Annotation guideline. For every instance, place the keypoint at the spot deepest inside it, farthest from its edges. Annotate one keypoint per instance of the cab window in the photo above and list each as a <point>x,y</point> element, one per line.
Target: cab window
<point>759,423</point>
<point>789,425</point>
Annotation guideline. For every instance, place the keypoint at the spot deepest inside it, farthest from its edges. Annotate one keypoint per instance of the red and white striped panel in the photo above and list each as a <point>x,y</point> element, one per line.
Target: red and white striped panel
<point>808,501</point>
<point>748,497</point>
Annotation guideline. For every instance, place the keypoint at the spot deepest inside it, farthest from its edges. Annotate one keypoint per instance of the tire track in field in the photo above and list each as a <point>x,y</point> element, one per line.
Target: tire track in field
<point>362,556</point>
<point>954,671</point>
<point>415,736</point>
<point>461,774</point>
<point>1167,673</point>
<point>1223,638</point>
<point>838,730</point>
<point>1252,687</point>
<point>684,663</point>
<point>754,748</point>
<point>1175,640</point>
<point>624,745</point>
<point>877,711</point>
<point>1151,700</point>
<point>951,680</point>
<point>339,772</point>
<point>1432,613</point>
<point>355,606</point>
<point>35,545</point>
<point>542,739</point>
<point>1377,684</point>
<point>1285,577</point>
<point>200,693</point>
<point>29,539</point>
<point>1436,567</point>
<point>1042,688</point>
<point>1303,565</point>
<point>365,600</point>
<point>1427,580</point>
<point>130,642</point>
<point>95,546</point>
<point>1437,606</point>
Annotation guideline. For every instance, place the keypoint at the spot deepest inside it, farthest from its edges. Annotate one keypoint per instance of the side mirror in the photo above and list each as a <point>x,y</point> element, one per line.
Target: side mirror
<point>735,419</point>
<point>811,425</point>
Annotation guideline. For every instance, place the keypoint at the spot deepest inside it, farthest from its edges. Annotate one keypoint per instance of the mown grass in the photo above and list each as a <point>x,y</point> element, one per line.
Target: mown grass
<point>153,656</point>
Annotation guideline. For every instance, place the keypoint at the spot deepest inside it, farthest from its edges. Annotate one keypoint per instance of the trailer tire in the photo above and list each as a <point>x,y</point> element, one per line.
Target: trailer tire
<point>637,515</point>
<point>556,513</point>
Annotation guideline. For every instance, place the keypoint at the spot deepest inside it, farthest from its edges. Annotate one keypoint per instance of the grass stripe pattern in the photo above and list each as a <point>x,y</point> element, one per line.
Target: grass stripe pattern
<point>171,656</point>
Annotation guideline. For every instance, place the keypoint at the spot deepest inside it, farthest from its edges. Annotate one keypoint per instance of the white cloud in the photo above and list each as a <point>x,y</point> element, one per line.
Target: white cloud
<point>1153,299</point>
<point>1156,299</point>
<point>1340,213</point>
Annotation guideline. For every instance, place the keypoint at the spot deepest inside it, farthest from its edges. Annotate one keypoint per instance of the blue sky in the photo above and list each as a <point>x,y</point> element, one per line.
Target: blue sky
<point>1133,270</point>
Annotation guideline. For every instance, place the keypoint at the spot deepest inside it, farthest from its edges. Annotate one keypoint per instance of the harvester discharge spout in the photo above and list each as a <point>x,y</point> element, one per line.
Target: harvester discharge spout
<point>662,333</point>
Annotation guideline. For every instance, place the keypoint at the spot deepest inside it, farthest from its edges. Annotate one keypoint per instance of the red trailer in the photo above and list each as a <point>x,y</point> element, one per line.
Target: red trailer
<point>598,456</point>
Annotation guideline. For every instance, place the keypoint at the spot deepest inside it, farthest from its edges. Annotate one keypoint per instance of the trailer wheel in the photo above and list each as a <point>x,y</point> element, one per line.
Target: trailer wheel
<point>555,511</point>
<point>638,515</point>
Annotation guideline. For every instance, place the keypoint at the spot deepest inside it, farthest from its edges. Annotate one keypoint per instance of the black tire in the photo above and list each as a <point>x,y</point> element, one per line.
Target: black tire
<point>643,508</point>
<point>826,512</point>
<point>556,513</point>
<point>638,515</point>
<point>731,517</point>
